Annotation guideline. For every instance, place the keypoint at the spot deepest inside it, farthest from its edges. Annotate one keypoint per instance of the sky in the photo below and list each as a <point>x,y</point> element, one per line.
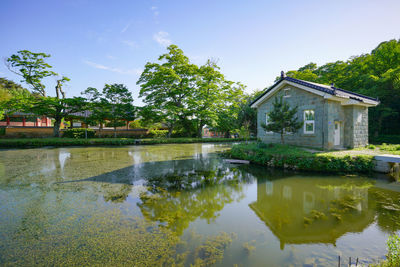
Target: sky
<point>95,42</point>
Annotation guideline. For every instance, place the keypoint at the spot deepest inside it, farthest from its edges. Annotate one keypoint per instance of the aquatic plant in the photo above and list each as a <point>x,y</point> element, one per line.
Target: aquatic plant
<point>393,255</point>
<point>212,250</point>
<point>249,247</point>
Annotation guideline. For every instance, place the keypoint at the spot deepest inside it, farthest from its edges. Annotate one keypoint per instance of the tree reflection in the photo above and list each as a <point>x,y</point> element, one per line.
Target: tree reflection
<point>177,200</point>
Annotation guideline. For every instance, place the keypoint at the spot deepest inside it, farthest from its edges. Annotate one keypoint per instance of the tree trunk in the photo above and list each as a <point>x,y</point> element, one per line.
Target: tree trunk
<point>56,128</point>
<point>170,131</point>
<point>200,130</point>
<point>283,142</point>
<point>100,128</point>
<point>115,131</point>
<point>379,126</point>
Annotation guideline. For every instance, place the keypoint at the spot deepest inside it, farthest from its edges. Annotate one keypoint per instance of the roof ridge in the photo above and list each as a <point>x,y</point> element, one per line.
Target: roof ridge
<point>333,88</point>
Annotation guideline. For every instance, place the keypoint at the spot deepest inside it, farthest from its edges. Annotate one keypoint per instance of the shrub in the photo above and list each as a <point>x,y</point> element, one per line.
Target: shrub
<point>78,133</point>
<point>2,131</point>
<point>158,133</point>
<point>284,156</point>
<point>390,139</point>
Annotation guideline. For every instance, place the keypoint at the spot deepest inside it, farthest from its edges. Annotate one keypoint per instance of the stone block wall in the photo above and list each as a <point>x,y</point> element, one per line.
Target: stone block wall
<point>304,100</point>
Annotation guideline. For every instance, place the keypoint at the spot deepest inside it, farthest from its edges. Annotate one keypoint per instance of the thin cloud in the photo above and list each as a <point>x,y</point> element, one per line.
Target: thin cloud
<point>117,70</point>
<point>132,44</point>
<point>111,57</point>
<point>126,27</point>
<point>155,11</point>
<point>162,38</point>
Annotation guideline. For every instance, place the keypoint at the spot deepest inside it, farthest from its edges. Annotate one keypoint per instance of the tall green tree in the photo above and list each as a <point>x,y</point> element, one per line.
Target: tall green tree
<point>32,68</point>
<point>165,87</point>
<point>282,119</point>
<point>118,100</point>
<point>228,114</point>
<point>9,90</point>
<point>208,96</point>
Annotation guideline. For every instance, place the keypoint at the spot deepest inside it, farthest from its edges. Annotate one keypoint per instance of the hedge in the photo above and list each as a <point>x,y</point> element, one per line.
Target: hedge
<point>61,142</point>
<point>288,157</point>
<point>78,133</point>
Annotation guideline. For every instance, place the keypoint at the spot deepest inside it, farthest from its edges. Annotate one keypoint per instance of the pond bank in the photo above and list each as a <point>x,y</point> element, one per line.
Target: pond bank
<point>62,142</point>
<point>295,158</point>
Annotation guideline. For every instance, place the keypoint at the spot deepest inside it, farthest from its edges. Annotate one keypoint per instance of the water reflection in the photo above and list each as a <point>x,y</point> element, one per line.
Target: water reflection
<point>74,201</point>
<point>178,199</point>
<point>300,210</point>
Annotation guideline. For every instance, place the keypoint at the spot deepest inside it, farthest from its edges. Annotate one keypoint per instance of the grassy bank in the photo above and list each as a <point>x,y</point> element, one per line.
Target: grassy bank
<point>290,157</point>
<point>61,142</point>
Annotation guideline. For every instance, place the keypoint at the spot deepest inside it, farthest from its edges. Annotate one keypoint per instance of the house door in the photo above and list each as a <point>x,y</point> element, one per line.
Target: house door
<point>337,133</point>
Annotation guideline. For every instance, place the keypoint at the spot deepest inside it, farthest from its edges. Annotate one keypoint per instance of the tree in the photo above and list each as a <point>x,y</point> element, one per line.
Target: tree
<point>9,90</point>
<point>57,109</point>
<point>208,96</point>
<point>282,119</point>
<point>119,100</point>
<point>166,86</point>
<point>32,68</point>
<point>247,115</point>
<point>228,114</point>
<point>375,74</point>
<point>97,107</point>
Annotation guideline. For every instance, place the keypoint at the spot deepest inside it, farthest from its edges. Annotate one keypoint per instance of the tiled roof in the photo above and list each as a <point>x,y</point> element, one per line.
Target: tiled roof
<point>320,87</point>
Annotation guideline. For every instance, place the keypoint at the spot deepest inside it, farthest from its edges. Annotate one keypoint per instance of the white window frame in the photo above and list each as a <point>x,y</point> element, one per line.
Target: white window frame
<point>286,92</point>
<point>266,123</point>
<point>308,122</point>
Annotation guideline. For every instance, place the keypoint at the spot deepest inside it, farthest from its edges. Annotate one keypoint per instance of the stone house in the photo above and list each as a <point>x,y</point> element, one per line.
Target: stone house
<point>332,117</point>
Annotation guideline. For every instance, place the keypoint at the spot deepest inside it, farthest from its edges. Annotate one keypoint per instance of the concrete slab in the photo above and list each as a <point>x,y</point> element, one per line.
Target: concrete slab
<point>237,161</point>
<point>388,158</point>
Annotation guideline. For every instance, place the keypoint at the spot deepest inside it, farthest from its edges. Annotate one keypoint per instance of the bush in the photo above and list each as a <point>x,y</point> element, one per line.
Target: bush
<point>390,139</point>
<point>78,133</point>
<point>117,124</point>
<point>158,133</point>
<point>290,157</point>
<point>62,142</point>
<point>135,125</point>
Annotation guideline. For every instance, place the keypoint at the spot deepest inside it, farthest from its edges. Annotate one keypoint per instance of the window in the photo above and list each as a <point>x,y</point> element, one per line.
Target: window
<point>309,121</point>
<point>286,92</point>
<point>266,123</point>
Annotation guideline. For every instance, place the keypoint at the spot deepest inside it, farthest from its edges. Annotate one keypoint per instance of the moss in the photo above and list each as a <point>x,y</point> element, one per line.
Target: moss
<point>212,250</point>
<point>249,247</point>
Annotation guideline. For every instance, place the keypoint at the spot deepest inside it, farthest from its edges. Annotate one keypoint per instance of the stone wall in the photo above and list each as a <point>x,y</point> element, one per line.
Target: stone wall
<point>304,100</point>
<point>22,132</point>
<point>360,132</point>
<point>353,121</point>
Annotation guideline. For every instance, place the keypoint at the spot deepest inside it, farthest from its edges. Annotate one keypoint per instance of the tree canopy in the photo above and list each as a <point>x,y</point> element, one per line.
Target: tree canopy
<point>375,74</point>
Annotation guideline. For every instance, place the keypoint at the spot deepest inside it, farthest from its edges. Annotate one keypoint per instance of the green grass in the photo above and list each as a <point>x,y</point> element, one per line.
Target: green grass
<point>61,142</point>
<point>391,149</point>
<point>291,157</point>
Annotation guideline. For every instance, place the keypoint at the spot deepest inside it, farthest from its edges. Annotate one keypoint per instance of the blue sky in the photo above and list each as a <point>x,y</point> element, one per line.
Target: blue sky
<point>97,42</point>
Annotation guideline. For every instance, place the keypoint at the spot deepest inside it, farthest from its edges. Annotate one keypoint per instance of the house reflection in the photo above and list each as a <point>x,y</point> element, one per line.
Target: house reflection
<point>318,210</point>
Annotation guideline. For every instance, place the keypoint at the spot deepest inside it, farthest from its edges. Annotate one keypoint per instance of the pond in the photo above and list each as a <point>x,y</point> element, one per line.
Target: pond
<point>182,204</point>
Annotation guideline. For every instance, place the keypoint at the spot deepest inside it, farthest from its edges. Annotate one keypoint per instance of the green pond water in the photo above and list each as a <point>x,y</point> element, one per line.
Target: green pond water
<point>177,205</point>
